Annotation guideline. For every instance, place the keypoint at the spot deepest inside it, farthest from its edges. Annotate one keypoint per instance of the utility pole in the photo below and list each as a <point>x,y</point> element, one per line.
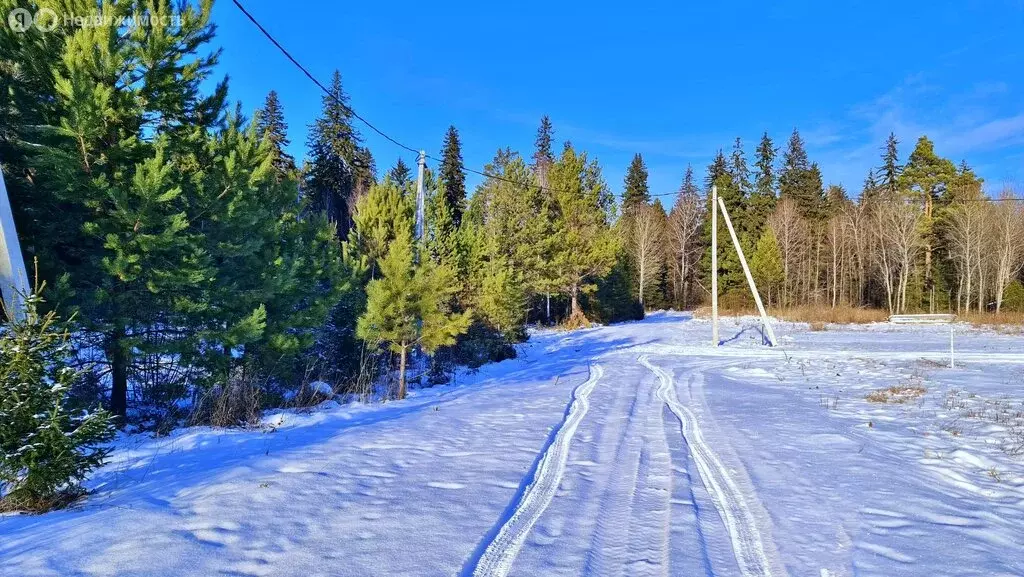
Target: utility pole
<point>714,265</point>
<point>421,198</point>
<point>13,278</point>
<point>421,202</point>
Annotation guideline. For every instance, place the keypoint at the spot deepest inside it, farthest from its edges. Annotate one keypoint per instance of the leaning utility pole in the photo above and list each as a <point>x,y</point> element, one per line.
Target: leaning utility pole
<point>13,278</point>
<point>750,279</point>
<point>714,265</point>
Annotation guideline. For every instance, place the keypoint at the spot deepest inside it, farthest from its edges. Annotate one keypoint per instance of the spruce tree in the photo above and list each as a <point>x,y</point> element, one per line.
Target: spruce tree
<point>764,165</point>
<point>891,165</point>
<point>739,169</point>
<point>635,189</point>
<point>800,180</point>
<point>452,179</point>
<point>718,168</point>
<point>340,168</point>
<point>870,190</point>
<point>689,185</point>
<point>271,125</point>
<point>542,155</point>
<point>401,175</point>
<point>46,448</point>
<point>762,200</point>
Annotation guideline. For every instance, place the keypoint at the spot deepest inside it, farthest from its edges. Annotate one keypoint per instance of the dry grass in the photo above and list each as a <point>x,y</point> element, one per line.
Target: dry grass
<point>809,314</point>
<point>575,321</point>
<point>837,315</point>
<point>896,394</point>
<point>817,326</point>
<point>61,500</point>
<point>1005,322</point>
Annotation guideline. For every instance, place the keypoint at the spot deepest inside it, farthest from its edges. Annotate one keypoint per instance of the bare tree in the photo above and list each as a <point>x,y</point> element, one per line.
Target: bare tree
<point>646,241</point>
<point>898,242</point>
<point>685,223</point>
<point>1008,220</point>
<point>791,233</point>
<point>856,223</point>
<point>837,241</point>
<point>963,233</point>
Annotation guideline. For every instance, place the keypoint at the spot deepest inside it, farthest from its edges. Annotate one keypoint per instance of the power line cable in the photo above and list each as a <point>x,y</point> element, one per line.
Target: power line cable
<point>317,82</point>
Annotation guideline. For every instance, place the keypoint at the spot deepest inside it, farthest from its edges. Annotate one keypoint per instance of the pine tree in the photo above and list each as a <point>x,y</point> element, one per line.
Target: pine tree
<point>381,216</point>
<point>635,191</point>
<point>891,166</point>
<point>584,247</point>
<point>926,179</point>
<point>406,305</point>
<point>766,265</point>
<point>178,242</point>
<point>136,263</point>
<point>452,178</point>
<point>271,125</point>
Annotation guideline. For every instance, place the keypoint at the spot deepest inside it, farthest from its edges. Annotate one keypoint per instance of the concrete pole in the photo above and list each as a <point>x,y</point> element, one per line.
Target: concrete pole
<point>13,278</point>
<point>750,279</point>
<point>421,198</point>
<point>714,265</point>
<point>418,358</point>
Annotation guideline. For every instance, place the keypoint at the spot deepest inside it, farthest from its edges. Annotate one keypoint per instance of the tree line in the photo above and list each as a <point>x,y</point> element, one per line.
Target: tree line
<point>920,237</point>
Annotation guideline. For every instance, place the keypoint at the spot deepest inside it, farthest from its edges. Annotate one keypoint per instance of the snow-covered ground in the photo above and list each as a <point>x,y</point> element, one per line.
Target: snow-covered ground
<point>636,449</point>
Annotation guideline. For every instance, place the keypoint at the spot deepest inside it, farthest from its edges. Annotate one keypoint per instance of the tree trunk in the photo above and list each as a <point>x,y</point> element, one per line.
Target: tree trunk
<point>575,302</point>
<point>401,371</point>
<point>118,358</point>
<point>547,308</point>
<point>928,253</point>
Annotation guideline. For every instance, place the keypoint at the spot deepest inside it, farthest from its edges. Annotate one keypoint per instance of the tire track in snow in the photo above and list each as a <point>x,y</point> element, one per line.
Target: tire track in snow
<point>624,529</point>
<point>496,559</point>
<point>651,525</point>
<point>747,544</point>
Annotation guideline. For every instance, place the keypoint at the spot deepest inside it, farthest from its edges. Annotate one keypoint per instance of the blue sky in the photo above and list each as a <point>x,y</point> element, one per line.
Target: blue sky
<point>674,81</point>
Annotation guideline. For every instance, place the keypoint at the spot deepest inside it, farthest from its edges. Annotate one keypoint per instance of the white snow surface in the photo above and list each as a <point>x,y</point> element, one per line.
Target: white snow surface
<point>634,449</point>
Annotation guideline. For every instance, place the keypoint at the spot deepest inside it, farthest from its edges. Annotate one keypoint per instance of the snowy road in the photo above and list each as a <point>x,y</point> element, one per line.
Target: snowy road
<point>626,450</point>
<point>644,494</point>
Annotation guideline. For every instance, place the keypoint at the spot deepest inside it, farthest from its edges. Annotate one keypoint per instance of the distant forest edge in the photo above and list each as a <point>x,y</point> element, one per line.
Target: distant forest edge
<point>206,276</point>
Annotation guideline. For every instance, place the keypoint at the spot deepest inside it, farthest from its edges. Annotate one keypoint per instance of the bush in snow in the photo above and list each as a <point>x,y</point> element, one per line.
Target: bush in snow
<point>46,449</point>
